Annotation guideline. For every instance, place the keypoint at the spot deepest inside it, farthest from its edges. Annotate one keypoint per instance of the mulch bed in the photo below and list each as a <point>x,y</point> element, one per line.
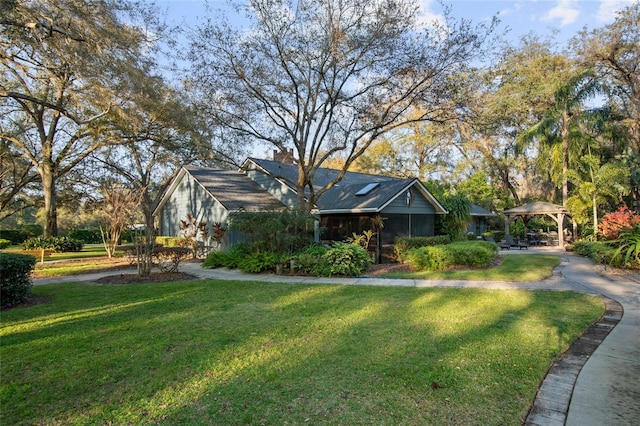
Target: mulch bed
<point>155,277</point>
<point>385,268</point>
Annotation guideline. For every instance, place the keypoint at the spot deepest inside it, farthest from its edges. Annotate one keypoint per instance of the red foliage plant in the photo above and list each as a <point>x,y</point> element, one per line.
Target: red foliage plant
<point>614,222</point>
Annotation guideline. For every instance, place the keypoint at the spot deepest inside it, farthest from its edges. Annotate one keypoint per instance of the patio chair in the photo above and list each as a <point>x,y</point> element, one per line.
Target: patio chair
<point>502,245</point>
<point>514,243</point>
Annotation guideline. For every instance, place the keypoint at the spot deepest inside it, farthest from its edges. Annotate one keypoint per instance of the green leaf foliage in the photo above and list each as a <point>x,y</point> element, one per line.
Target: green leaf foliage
<point>57,244</point>
<point>279,232</point>
<point>215,259</point>
<point>431,258</point>
<point>403,244</point>
<point>628,251</point>
<point>15,285</point>
<point>347,259</point>
<point>477,254</point>
<point>257,262</point>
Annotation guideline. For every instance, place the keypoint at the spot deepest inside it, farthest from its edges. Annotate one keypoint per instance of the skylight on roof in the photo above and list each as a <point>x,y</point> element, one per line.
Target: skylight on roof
<point>367,189</point>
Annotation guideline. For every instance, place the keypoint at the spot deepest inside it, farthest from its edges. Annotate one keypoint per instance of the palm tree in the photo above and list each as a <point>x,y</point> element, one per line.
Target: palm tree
<point>559,130</point>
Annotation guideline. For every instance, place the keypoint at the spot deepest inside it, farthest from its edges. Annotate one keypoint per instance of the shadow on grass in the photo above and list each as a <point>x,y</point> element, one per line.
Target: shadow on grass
<point>239,352</point>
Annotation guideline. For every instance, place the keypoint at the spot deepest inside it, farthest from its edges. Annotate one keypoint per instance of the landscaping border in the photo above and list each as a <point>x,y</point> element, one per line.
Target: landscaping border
<point>552,400</point>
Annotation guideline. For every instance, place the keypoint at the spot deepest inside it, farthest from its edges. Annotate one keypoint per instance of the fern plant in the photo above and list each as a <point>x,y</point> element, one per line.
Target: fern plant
<point>629,244</point>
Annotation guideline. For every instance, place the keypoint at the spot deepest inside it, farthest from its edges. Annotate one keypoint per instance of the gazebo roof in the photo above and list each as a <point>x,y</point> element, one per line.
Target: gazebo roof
<point>537,207</point>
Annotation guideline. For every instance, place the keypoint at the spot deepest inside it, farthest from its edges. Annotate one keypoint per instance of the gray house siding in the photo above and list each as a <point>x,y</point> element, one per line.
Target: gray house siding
<point>190,197</point>
<point>417,203</point>
<point>275,187</point>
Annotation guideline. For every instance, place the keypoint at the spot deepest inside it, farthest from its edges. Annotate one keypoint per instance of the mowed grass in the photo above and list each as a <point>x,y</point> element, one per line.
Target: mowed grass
<point>220,352</point>
<point>79,266</point>
<point>515,267</point>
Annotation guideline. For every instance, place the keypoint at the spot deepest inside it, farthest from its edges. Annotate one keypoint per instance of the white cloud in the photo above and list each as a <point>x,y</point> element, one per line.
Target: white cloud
<point>608,8</point>
<point>427,17</point>
<point>565,10</point>
<point>517,6</point>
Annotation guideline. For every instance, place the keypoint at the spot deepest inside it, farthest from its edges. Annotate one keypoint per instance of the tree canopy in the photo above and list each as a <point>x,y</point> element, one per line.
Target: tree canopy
<point>330,77</point>
<point>348,84</point>
<point>65,65</point>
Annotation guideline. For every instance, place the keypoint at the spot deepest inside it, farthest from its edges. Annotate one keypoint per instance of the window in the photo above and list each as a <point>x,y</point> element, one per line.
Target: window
<point>367,189</point>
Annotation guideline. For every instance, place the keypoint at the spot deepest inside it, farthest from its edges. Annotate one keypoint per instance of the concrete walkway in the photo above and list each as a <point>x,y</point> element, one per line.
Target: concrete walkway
<point>597,382</point>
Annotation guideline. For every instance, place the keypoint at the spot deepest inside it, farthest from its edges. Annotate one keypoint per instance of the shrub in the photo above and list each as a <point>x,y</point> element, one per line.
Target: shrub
<point>20,235</point>
<point>430,258</point>
<point>259,262</point>
<point>4,243</point>
<point>168,258</point>
<point>598,251</point>
<point>628,252</point>
<point>235,255</point>
<point>403,244</point>
<point>15,285</point>
<point>87,236</point>
<point>497,235</point>
<point>347,259</point>
<point>478,254</point>
<point>613,223</point>
<point>279,232</point>
<point>311,261</point>
<point>166,241</point>
<point>57,244</point>
<point>214,259</point>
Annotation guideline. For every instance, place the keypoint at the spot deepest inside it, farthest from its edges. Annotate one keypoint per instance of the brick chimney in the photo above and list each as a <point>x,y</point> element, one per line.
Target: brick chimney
<point>283,157</point>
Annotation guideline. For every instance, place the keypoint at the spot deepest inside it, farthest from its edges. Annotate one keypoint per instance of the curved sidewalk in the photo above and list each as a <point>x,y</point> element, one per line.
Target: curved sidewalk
<point>601,385</point>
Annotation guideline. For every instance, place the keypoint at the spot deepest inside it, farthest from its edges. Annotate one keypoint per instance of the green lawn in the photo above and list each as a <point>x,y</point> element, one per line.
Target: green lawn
<point>89,250</point>
<point>79,266</point>
<point>215,352</point>
<point>515,267</point>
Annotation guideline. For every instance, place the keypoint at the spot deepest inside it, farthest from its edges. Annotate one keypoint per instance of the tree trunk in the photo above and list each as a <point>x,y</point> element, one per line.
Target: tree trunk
<point>301,202</point>
<point>565,158</point>
<point>50,208</point>
<point>595,216</point>
<point>145,262</point>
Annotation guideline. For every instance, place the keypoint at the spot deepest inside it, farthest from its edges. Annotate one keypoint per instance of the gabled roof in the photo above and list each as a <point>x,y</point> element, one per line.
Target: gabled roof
<point>343,197</point>
<point>288,173</point>
<point>537,207</point>
<point>481,211</point>
<point>233,189</point>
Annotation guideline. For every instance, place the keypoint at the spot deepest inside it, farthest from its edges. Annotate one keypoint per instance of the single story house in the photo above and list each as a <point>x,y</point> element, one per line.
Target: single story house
<point>479,217</point>
<point>405,206</point>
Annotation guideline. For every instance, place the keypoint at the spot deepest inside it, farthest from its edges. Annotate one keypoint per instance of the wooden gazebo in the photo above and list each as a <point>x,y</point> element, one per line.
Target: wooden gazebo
<point>527,211</point>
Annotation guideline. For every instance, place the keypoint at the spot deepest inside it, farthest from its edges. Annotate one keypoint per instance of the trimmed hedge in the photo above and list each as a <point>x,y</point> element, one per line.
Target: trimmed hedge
<point>476,254</point>
<point>18,236</point>
<point>15,285</point>
<point>57,244</point>
<point>87,236</point>
<point>4,243</point>
<point>402,245</point>
<point>599,251</point>
<point>430,258</point>
<point>167,241</point>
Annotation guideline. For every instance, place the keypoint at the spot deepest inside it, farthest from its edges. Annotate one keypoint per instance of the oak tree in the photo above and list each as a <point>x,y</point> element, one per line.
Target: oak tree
<point>329,77</point>
<point>65,64</point>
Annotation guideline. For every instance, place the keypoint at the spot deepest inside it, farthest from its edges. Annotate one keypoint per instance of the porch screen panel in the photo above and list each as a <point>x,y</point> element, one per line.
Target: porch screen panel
<point>421,225</point>
<point>395,225</point>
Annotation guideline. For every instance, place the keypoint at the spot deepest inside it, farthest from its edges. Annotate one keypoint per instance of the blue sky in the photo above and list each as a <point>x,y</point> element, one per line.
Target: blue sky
<point>542,17</point>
